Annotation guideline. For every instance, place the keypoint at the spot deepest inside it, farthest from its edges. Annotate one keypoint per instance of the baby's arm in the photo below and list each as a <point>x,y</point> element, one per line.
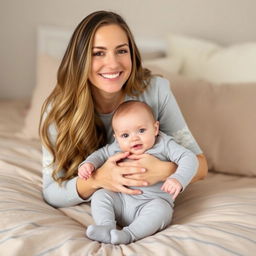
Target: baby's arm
<point>85,170</point>
<point>185,159</point>
<point>172,186</point>
<point>95,160</point>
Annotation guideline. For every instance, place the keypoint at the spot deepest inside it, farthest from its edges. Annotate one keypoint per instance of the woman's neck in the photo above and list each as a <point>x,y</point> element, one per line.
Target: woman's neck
<point>107,103</point>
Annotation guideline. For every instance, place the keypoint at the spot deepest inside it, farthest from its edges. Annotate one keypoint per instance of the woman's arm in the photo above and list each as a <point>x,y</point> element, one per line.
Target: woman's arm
<point>202,169</point>
<point>112,177</point>
<point>63,195</point>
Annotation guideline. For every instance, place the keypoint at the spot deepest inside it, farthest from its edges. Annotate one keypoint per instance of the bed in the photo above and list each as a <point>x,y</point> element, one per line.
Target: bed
<point>216,216</point>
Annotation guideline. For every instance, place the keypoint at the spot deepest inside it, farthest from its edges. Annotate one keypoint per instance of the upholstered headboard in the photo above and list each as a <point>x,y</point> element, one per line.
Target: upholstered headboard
<point>53,40</point>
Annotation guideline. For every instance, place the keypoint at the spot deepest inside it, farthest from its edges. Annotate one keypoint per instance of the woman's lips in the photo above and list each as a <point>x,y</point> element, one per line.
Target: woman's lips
<point>110,75</point>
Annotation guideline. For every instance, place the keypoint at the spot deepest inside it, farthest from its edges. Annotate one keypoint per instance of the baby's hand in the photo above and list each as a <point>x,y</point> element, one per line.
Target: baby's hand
<point>85,171</point>
<point>172,186</point>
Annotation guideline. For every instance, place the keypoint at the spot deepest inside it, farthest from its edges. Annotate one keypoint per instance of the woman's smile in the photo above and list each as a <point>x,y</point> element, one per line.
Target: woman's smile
<point>111,76</point>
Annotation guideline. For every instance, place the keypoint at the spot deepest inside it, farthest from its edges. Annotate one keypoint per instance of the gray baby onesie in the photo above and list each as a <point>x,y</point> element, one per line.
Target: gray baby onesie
<point>145,214</point>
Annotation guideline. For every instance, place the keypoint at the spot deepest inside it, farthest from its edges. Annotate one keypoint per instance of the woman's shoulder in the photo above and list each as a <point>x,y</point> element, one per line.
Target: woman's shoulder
<point>159,82</point>
<point>158,86</point>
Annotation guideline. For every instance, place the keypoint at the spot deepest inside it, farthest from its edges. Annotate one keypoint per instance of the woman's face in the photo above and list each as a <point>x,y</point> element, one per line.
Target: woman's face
<point>111,59</point>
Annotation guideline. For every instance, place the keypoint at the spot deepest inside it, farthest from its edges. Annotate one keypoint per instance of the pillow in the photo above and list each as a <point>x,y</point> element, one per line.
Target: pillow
<point>150,55</point>
<point>222,119</point>
<point>203,59</point>
<point>164,66</point>
<point>47,67</point>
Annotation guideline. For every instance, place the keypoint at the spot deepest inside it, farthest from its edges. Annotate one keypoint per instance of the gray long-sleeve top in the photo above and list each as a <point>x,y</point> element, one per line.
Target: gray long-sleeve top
<point>166,110</point>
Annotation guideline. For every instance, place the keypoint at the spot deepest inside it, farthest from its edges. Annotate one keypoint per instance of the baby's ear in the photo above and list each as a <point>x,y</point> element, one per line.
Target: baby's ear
<point>156,128</point>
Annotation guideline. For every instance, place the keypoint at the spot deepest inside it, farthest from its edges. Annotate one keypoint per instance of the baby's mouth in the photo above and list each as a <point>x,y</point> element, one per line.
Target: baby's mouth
<point>137,146</point>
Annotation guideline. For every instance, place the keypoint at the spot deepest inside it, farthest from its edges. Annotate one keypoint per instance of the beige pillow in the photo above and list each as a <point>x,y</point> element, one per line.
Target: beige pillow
<point>206,60</point>
<point>47,67</point>
<point>223,119</point>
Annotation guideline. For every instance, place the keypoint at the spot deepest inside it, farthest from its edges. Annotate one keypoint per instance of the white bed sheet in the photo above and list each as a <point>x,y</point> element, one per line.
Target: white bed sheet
<point>216,216</point>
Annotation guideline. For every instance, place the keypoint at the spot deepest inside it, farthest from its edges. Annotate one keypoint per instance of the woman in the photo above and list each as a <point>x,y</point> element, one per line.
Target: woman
<point>100,69</point>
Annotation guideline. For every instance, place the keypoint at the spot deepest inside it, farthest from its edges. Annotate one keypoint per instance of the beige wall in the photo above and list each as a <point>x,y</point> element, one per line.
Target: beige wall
<point>225,21</point>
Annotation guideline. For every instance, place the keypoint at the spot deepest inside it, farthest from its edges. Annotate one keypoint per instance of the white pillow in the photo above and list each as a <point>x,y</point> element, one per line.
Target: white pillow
<point>47,67</point>
<point>164,66</point>
<point>207,60</point>
<point>151,55</point>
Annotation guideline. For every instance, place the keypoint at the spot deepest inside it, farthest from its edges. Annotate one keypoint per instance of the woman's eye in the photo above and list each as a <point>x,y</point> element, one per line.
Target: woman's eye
<point>125,135</point>
<point>122,51</point>
<point>98,54</point>
<point>142,130</point>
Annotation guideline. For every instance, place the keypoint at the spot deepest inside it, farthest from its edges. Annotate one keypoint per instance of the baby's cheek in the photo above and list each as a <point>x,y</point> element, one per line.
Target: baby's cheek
<point>124,146</point>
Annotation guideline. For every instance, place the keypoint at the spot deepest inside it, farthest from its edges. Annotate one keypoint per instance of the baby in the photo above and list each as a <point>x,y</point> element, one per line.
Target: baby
<point>137,132</point>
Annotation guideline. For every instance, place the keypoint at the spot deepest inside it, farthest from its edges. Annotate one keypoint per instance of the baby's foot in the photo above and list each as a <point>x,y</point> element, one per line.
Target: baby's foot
<point>99,233</point>
<point>120,237</point>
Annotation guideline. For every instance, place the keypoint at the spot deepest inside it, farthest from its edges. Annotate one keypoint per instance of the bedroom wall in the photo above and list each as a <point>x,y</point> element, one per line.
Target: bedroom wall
<point>225,21</point>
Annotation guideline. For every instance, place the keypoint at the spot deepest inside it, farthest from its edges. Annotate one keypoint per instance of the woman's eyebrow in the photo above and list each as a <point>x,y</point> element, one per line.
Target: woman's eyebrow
<point>122,45</point>
<point>105,48</point>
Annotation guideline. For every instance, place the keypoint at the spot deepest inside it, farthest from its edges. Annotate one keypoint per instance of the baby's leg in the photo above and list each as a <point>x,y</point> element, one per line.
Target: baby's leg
<point>105,205</point>
<point>152,217</point>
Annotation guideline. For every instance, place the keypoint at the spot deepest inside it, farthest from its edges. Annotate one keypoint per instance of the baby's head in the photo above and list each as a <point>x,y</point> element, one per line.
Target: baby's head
<point>135,127</point>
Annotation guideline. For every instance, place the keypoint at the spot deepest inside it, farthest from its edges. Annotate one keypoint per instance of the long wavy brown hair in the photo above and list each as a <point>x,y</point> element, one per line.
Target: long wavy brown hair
<point>70,107</point>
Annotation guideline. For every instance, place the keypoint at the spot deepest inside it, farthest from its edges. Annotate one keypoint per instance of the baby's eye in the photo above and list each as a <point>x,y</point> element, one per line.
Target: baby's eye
<point>99,53</point>
<point>125,135</point>
<point>142,130</point>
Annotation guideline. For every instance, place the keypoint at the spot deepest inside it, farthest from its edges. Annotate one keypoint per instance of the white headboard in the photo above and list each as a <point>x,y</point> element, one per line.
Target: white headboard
<point>53,40</point>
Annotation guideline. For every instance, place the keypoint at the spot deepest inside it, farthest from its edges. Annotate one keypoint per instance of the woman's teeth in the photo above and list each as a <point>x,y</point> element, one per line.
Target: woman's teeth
<point>111,76</point>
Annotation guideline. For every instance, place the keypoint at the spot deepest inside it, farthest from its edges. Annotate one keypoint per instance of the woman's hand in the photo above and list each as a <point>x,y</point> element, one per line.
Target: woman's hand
<point>156,170</point>
<point>114,177</point>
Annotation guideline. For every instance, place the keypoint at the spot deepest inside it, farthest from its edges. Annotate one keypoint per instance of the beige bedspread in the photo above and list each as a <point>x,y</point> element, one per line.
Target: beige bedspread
<point>216,216</point>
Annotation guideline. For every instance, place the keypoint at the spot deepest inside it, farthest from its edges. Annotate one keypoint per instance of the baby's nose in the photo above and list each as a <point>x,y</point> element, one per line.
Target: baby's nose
<point>135,137</point>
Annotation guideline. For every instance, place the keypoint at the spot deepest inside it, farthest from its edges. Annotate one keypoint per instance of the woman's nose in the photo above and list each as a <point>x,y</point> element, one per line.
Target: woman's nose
<point>112,61</point>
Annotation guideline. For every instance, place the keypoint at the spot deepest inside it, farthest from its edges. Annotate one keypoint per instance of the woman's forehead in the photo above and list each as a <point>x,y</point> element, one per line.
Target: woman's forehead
<point>111,33</point>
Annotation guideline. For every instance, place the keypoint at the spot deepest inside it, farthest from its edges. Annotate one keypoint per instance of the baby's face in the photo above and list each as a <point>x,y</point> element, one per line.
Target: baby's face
<point>135,132</point>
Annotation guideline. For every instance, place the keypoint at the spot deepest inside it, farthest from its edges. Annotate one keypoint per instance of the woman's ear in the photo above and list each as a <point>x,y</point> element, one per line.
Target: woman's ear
<point>156,128</point>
